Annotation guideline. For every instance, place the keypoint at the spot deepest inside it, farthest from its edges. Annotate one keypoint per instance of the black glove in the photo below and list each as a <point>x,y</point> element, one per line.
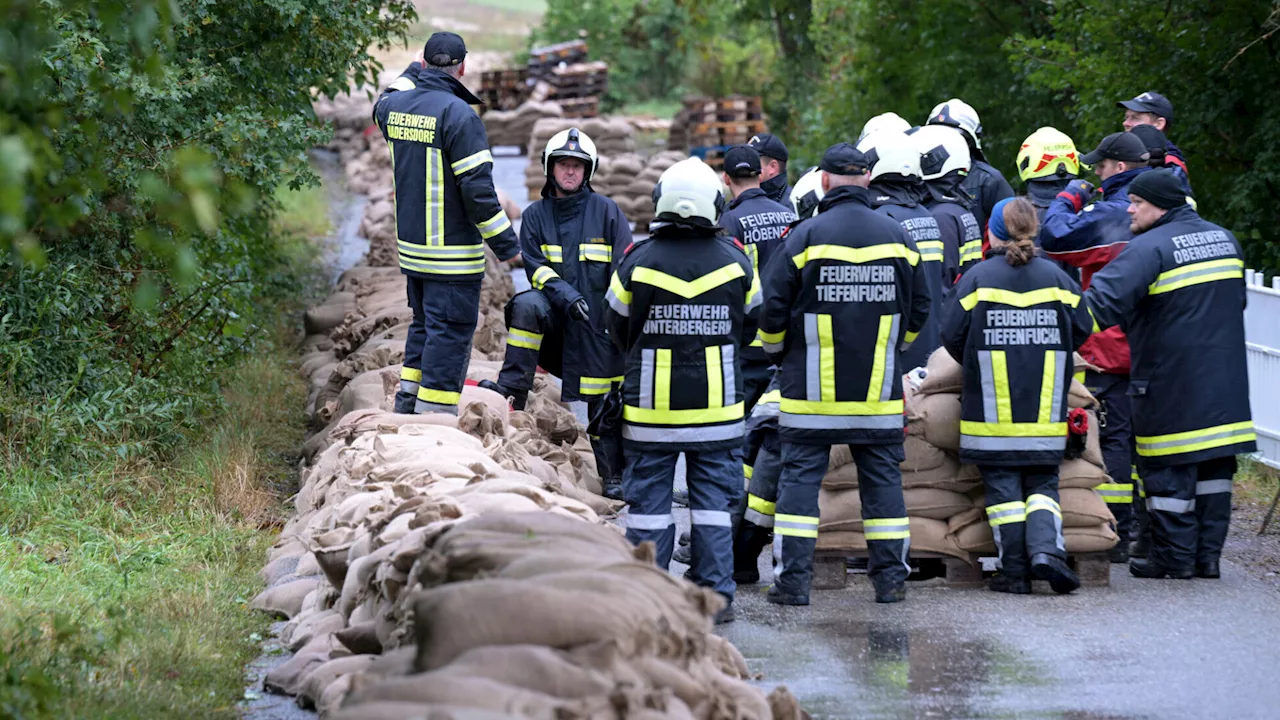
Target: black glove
<point>1077,192</point>
<point>579,310</point>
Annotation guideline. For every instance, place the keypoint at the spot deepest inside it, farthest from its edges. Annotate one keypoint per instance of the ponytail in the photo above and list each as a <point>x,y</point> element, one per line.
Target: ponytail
<point>1022,226</point>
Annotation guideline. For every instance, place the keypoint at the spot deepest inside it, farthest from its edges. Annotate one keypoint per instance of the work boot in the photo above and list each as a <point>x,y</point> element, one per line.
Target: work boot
<point>613,488</point>
<point>747,546</point>
<point>1151,569</point>
<point>725,616</point>
<point>891,593</point>
<point>1054,569</point>
<point>777,597</point>
<point>683,554</point>
<point>1208,569</point>
<point>517,398</point>
<point>1120,553</point>
<point>1139,548</point>
<point>1013,584</point>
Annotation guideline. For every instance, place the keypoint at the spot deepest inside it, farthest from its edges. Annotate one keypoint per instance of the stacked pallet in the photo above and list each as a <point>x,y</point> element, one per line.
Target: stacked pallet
<point>504,89</point>
<point>543,59</point>
<point>717,122</point>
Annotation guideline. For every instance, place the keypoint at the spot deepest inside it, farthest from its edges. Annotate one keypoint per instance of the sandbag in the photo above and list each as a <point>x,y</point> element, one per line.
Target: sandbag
<point>323,318</point>
<point>975,537</point>
<point>416,711</point>
<point>839,510</point>
<point>934,503</point>
<point>285,600</point>
<point>931,536</point>
<point>945,375</point>
<point>844,477</point>
<point>319,678</point>
<point>842,541</point>
<point>1080,473</point>
<point>450,687</point>
<point>1080,397</point>
<point>1099,538</point>
<point>945,476</point>
<point>940,415</point>
<point>531,667</point>
<point>1083,508</point>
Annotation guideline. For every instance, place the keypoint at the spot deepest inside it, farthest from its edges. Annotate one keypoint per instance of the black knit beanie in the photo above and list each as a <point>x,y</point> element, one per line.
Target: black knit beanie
<point>1160,188</point>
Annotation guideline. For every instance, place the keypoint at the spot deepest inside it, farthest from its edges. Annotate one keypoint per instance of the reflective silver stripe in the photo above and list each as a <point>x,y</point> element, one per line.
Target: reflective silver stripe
<point>890,358</point>
<point>435,198</point>
<point>409,386</point>
<point>714,518</point>
<point>618,306</point>
<point>648,361</point>
<point>756,301</point>
<point>650,522</point>
<point>423,407</point>
<point>840,422</point>
<point>1171,505</point>
<point>1121,494</point>
<point>730,378</point>
<point>1010,512</point>
<point>772,347</point>
<point>989,412</point>
<point>416,251</point>
<point>757,518</point>
<point>709,433</point>
<point>995,532</point>
<point>764,410</point>
<point>444,267</point>
<point>1012,444</point>
<point>813,358</point>
<point>1060,359</point>
<point>1213,487</point>
<point>788,525</point>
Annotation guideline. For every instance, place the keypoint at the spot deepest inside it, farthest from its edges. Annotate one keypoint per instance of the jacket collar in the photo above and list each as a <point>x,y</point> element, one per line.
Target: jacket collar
<point>948,189</point>
<point>775,185</point>
<point>747,195</point>
<point>567,207</point>
<point>1178,214</point>
<point>892,191</point>
<point>845,194</point>
<point>1042,192</point>
<point>1113,185</point>
<point>432,79</point>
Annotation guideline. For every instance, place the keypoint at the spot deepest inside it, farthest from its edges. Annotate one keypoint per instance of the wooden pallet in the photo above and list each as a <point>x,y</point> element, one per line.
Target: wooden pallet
<point>830,568</point>
<point>585,107</point>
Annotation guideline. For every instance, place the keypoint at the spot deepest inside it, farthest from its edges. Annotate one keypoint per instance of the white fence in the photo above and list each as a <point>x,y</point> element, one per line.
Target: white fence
<point>1262,338</point>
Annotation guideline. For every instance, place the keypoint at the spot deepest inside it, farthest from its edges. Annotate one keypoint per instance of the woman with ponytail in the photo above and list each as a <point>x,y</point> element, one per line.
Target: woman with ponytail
<point>1013,321</point>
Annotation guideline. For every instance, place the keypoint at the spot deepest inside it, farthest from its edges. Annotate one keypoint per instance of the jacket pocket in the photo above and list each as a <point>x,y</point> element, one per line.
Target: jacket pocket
<point>595,259</point>
<point>1138,388</point>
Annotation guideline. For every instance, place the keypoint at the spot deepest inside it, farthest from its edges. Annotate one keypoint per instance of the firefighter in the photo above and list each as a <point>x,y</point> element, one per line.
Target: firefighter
<point>1047,162</point>
<point>807,194</point>
<point>1013,322</point>
<point>1088,236</point>
<point>445,208</point>
<point>1178,291</point>
<point>773,166</point>
<point>944,160</point>
<point>1152,108</point>
<point>681,305</point>
<point>889,121</point>
<point>1158,146</point>
<point>985,184</point>
<point>569,240</point>
<point>847,295</point>
<point>896,191</point>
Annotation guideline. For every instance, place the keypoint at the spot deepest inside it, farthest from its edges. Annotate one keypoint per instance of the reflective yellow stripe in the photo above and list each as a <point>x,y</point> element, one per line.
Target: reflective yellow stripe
<point>971,252</point>
<point>1196,440</point>
<point>688,288</point>
<point>858,256</point>
<point>694,416</point>
<point>1017,299</point>
<point>827,359</point>
<point>471,162</point>
<point>594,252</point>
<point>411,374</point>
<point>715,378</point>
<point>524,339</point>
<point>596,386</point>
<point>887,528</point>
<point>1037,502</point>
<point>1004,402</point>
<point>772,338</point>
<point>623,294</point>
<point>1078,377</point>
<point>931,250</point>
<point>910,337</point>
<point>811,407</point>
<point>434,216</point>
<point>747,470</point>
<point>876,385</point>
<point>756,342</point>
<point>754,292</point>
<point>1197,273</point>
<point>542,276</point>
<point>443,267</point>
<point>440,253</point>
<point>494,225</point>
<point>661,381</point>
<point>1048,384</point>
<point>1096,327</point>
<point>553,253</point>
<point>801,526</point>
<point>1005,513</point>
<point>773,396</point>
<point>1012,429</point>
<point>395,204</point>
<point>760,505</point>
<point>439,397</point>
<point>1137,480</point>
<point>1116,493</point>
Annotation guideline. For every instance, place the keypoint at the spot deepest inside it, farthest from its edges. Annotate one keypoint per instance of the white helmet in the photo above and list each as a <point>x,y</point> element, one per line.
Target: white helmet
<point>959,114</point>
<point>891,153</point>
<point>807,193</point>
<point>571,143</point>
<point>689,192</point>
<point>884,121</point>
<point>941,151</point>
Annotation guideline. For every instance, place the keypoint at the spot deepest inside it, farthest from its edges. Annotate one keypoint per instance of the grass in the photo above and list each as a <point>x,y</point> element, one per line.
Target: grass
<point>661,109</point>
<point>528,7</point>
<point>124,588</point>
<point>304,213</point>
<point>1255,483</point>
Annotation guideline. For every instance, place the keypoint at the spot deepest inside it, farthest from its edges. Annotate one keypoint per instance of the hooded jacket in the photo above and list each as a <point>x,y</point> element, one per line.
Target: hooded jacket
<point>987,186</point>
<point>961,232</point>
<point>898,197</point>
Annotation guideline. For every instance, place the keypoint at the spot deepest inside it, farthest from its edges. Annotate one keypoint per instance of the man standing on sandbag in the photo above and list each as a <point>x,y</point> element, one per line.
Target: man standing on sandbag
<point>1178,292</point>
<point>569,240</point>
<point>445,208</point>
<point>1013,322</point>
<point>944,164</point>
<point>682,303</point>
<point>849,296</point>
<point>773,166</point>
<point>1089,236</point>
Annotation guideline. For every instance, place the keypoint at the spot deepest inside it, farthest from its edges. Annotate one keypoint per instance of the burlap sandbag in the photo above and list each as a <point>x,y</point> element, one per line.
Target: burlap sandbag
<point>934,503</point>
<point>1080,473</point>
<point>940,414</point>
<point>416,711</point>
<point>844,477</point>
<point>1098,538</point>
<point>842,541</point>
<point>318,679</point>
<point>920,456</point>
<point>839,510</point>
<point>1083,508</point>
<point>945,476</point>
<point>964,519</point>
<point>531,667</point>
<point>457,688</point>
<point>931,536</point>
<point>286,678</point>
<point>1093,443</point>
<point>945,375</point>
<point>1080,397</point>
<point>285,600</point>
<point>975,537</point>
<point>840,456</point>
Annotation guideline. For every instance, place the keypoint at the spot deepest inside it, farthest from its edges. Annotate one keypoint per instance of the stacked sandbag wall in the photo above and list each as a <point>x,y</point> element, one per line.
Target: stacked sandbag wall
<point>945,500</point>
<point>514,127</point>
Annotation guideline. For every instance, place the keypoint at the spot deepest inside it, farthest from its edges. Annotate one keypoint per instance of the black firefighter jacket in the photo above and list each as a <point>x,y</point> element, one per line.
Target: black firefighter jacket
<point>445,203</point>
<point>1014,330</point>
<point>900,201</point>
<point>848,294</point>
<point>569,246</point>
<point>1178,293</point>
<point>681,305</point>
<point>759,224</point>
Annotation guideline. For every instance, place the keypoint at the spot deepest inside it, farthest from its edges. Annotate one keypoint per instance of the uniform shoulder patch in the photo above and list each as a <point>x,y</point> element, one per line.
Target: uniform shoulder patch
<point>737,242</point>
<point>402,83</point>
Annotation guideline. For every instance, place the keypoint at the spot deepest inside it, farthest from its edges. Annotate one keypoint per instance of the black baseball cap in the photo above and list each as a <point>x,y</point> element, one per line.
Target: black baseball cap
<point>1122,146</point>
<point>768,145</point>
<point>1150,102</point>
<point>1157,143</point>
<point>742,161</point>
<point>844,159</point>
<point>444,49</point>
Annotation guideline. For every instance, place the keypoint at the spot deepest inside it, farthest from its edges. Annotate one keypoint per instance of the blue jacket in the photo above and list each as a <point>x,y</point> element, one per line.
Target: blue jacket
<point>899,202</point>
<point>446,206</point>
<point>759,224</point>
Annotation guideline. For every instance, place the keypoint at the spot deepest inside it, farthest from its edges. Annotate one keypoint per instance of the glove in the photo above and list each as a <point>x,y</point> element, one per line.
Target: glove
<point>579,310</point>
<point>1077,193</point>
